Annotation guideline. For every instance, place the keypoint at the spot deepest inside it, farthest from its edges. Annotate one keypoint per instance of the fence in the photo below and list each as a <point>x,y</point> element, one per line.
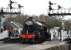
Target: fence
<point>61,47</point>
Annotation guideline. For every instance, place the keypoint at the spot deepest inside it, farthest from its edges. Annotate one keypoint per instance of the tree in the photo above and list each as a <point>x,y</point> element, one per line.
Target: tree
<point>53,22</point>
<point>68,26</point>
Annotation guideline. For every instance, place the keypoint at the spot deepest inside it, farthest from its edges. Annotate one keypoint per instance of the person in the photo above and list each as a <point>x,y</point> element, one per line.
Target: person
<point>16,32</point>
<point>11,33</point>
<point>59,33</point>
<point>47,34</point>
<point>10,30</point>
<point>5,34</point>
<point>1,29</point>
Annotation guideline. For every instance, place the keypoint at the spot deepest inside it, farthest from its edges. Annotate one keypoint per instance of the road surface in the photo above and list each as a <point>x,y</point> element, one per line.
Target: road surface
<point>12,46</point>
<point>19,46</point>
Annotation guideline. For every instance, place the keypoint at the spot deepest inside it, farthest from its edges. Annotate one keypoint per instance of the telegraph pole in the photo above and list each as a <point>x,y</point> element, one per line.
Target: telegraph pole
<point>50,6</point>
<point>19,6</point>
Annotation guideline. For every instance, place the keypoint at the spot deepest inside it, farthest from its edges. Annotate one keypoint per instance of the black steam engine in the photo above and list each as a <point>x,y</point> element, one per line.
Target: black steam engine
<point>34,32</point>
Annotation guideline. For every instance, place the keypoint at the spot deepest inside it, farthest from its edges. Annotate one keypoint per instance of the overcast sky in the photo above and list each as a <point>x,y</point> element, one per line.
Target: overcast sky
<point>37,7</point>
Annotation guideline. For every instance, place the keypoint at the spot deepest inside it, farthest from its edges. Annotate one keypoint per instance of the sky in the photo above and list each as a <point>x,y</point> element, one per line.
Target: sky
<point>37,7</point>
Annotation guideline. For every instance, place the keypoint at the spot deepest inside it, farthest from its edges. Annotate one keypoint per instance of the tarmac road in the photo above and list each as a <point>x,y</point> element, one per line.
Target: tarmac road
<point>19,46</point>
<point>12,46</point>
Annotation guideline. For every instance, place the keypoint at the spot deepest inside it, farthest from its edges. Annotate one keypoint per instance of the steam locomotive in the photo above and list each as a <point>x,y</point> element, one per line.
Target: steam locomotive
<point>34,32</point>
